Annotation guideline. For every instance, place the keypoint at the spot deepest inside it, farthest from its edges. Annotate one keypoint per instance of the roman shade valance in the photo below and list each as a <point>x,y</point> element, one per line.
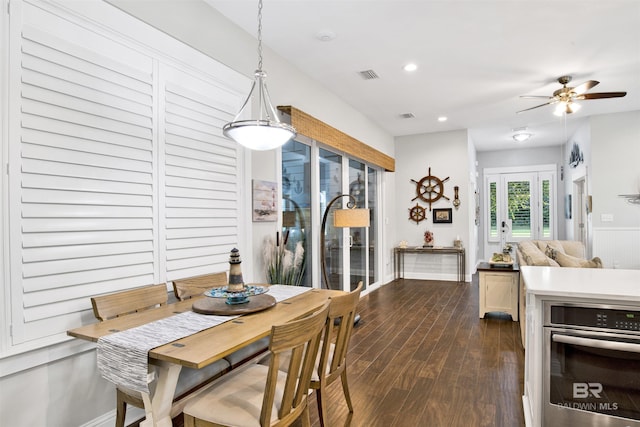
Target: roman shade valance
<point>316,129</point>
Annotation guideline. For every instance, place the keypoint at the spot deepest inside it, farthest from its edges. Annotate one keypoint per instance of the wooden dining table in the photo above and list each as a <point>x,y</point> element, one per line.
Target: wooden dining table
<point>202,348</point>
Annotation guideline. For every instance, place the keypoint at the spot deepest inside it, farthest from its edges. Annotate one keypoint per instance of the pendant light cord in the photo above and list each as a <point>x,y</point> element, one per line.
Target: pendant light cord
<point>260,35</point>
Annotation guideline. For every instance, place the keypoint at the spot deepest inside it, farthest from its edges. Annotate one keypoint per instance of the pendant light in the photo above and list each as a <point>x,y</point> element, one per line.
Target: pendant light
<point>266,131</point>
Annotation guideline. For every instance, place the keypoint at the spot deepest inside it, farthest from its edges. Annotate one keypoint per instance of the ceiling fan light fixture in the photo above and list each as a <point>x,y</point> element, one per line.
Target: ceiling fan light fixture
<point>266,131</point>
<point>574,106</point>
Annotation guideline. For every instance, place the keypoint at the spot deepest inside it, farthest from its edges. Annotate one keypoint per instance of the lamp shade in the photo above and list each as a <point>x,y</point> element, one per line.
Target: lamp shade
<point>351,218</point>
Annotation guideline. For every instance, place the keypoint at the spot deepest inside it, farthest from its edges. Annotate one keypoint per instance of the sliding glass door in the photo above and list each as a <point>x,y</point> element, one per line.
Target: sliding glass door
<point>350,254</point>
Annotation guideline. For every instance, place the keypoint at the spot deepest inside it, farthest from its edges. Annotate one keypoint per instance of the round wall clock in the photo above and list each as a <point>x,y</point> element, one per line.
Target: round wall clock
<point>430,189</point>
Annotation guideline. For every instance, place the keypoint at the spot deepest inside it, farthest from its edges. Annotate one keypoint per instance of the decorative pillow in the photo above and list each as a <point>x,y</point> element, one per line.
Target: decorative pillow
<point>550,252</point>
<point>554,244</point>
<point>570,261</point>
<point>533,255</point>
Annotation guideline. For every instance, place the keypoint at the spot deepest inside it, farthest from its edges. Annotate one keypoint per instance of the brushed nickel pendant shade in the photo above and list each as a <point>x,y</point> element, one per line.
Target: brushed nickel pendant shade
<point>266,131</point>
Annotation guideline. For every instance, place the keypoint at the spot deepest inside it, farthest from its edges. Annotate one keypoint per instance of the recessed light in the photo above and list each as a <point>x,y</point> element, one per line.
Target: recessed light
<point>325,35</point>
<point>410,67</point>
<point>442,119</point>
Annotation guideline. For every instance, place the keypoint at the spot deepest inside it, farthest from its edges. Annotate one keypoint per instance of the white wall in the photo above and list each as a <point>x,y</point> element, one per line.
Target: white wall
<point>447,154</point>
<point>615,160</point>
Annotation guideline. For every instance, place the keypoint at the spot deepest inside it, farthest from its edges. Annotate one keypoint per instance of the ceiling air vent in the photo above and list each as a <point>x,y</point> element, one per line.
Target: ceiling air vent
<point>407,116</point>
<point>369,75</point>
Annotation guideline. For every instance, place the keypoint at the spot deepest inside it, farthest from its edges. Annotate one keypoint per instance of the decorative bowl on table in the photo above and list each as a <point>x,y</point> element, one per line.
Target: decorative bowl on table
<point>236,297</point>
<point>501,260</point>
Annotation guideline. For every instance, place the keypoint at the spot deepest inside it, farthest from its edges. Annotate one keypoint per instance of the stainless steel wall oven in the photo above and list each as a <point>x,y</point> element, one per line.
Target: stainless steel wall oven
<point>591,370</point>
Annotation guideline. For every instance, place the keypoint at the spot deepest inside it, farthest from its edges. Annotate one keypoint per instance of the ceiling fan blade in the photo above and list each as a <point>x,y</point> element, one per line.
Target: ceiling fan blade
<point>536,96</point>
<point>537,106</point>
<point>582,88</point>
<point>601,95</point>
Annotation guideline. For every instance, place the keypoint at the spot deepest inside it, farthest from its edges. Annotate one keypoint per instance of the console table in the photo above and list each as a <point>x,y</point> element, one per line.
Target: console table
<point>400,252</point>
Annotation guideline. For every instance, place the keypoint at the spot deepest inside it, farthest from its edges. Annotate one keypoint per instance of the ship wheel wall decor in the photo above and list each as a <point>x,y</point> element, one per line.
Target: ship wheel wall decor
<point>417,213</point>
<point>430,189</point>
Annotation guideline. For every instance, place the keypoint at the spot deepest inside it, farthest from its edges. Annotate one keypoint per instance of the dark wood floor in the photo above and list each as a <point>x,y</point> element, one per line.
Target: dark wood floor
<point>421,357</point>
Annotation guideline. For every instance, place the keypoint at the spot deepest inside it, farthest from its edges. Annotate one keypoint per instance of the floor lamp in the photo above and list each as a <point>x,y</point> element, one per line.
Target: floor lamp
<point>342,218</point>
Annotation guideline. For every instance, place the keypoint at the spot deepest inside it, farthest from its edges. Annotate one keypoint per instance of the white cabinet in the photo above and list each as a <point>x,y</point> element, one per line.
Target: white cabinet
<point>498,290</point>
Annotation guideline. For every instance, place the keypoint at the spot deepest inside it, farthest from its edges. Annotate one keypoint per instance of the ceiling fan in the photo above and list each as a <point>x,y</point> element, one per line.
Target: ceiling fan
<point>566,96</point>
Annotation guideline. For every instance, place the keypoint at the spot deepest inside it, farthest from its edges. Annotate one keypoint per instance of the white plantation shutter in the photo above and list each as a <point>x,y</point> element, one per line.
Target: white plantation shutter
<point>119,175</point>
<point>201,182</point>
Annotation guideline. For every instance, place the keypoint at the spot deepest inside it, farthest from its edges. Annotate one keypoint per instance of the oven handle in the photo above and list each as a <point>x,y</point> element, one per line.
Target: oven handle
<point>588,342</point>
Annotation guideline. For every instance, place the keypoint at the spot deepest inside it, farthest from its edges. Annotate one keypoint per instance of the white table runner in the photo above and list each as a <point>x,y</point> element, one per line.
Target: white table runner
<point>123,356</point>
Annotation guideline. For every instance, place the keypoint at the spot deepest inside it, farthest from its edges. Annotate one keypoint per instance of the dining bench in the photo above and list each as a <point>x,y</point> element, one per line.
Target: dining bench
<point>147,298</point>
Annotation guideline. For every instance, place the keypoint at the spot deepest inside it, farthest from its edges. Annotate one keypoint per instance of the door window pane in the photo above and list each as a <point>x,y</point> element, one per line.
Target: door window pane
<point>493,210</point>
<point>372,193</point>
<point>358,235</point>
<point>330,165</point>
<point>519,208</point>
<point>546,208</point>
<point>296,208</point>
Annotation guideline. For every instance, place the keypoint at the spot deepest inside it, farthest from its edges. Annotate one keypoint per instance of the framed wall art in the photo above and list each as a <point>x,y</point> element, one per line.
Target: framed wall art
<point>442,216</point>
<point>265,201</point>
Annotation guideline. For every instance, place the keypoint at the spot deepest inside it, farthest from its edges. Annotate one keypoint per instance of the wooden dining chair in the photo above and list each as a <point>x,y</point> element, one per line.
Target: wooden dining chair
<point>264,395</point>
<point>193,286</point>
<point>332,357</point>
<point>146,298</point>
<point>332,363</point>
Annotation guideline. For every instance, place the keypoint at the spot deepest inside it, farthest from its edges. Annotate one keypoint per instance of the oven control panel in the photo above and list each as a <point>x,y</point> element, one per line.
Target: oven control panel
<point>595,317</point>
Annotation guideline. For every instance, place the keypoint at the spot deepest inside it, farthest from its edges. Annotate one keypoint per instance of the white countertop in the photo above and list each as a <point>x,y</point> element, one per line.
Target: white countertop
<point>597,283</point>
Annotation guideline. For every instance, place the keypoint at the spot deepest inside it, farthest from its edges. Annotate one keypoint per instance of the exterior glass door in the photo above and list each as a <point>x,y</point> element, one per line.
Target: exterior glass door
<point>519,221</point>
<point>520,207</point>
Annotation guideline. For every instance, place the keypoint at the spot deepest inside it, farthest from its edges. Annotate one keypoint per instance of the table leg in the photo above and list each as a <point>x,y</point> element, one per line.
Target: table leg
<point>158,407</point>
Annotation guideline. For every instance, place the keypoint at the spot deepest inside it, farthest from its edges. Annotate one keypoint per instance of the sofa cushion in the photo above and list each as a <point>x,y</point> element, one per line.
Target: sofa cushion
<point>570,261</point>
<point>573,248</point>
<point>533,255</point>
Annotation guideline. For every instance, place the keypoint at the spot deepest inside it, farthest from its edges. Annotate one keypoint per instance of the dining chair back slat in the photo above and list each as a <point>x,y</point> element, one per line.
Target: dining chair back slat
<point>129,301</point>
<point>194,286</point>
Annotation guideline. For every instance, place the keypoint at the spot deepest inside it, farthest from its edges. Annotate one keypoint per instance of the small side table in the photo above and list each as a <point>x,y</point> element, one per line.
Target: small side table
<point>499,288</point>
